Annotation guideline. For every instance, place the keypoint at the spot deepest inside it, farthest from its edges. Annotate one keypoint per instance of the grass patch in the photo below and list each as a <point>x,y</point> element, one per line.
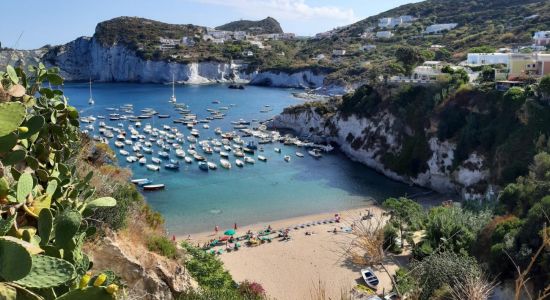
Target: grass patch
<point>163,246</point>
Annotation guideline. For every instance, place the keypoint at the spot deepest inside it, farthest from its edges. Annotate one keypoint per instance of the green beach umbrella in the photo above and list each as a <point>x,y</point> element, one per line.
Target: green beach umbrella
<point>229,232</point>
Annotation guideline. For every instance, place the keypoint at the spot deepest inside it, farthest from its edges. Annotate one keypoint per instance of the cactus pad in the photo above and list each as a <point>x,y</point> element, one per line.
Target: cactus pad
<point>7,142</point>
<point>24,187</point>
<point>67,225</point>
<point>34,124</point>
<point>7,292</point>
<point>12,115</point>
<point>102,202</point>
<point>47,272</point>
<point>6,224</point>
<point>45,225</point>
<point>89,293</point>
<point>4,187</point>
<point>15,260</point>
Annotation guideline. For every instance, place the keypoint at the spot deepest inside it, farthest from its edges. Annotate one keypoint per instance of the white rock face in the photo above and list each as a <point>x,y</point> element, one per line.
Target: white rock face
<point>281,79</point>
<point>85,58</point>
<point>366,140</point>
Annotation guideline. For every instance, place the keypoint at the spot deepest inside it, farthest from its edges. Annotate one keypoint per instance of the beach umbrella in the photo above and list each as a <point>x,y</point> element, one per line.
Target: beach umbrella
<point>229,232</point>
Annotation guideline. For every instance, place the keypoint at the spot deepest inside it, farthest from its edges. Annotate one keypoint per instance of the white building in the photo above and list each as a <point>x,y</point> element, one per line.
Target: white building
<point>481,59</point>
<point>393,22</point>
<point>248,53</point>
<point>338,52</point>
<point>239,35</point>
<point>368,47</point>
<point>384,34</point>
<point>436,28</point>
<point>541,38</point>
<point>258,44</point>
<point>320,57</point>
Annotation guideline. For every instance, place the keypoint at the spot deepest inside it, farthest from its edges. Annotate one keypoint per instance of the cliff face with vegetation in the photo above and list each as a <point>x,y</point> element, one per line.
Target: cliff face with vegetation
<point>265,26</point>
<point>462,140</point>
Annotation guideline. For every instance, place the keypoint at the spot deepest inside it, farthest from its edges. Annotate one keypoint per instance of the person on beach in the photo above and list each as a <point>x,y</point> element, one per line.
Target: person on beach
<point>216,229</point>
<point>235,226</point>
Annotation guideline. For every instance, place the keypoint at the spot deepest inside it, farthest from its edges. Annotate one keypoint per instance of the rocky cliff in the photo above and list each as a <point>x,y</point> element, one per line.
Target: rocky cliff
<point>368,139</point>
<point>86,58</point>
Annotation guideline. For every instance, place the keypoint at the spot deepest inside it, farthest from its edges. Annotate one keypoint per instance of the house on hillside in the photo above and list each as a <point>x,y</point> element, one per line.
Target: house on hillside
<point>384,34</point>
<point>338,52</point>
<point>401,21</point>
<point>166,44</point>
<point>437,28</point>
<point>483,59</point>
<point>528,64</point>
<point>247,53</point>
<point>368,47</point>
<point>541,38</point>
<point>427,73</point>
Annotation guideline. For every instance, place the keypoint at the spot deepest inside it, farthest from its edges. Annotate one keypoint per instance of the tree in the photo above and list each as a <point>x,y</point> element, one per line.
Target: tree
<point>410,57</point>
<point>405,213</point>
<point>482,49</point>
<point>544,87</point>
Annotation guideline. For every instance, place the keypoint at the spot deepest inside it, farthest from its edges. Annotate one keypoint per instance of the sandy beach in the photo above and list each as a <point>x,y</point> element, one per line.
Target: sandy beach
<point>294,269</point>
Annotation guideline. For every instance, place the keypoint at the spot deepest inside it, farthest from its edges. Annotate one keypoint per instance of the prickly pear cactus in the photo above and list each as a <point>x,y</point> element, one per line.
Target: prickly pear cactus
<point>42,227</point>
<point>47,272</point>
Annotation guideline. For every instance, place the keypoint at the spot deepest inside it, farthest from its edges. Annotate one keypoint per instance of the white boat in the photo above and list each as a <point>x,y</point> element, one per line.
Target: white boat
<point>119,144</point>
<point>180,153</point>
<point>262,158</point>
<point>91,100</point>
<point>249,160</point>
<point>143,160</point>
<point>315,153</point>
<point>155,160</point>
<point>211,165</point>
<point>278,150</point>
<point>123,152</point>
<point>205,126</point>
<point>299,154</point>
<point>224,154</point>
<point>287,158</point>
<point>188,159</point>
<point>239,163</point>
<point>370,278</point>
<point>153,167</point>
<point>173,98</point>
<point>225,163</point>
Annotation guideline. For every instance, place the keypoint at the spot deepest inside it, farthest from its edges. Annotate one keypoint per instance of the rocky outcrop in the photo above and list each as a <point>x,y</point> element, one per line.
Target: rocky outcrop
<point>366,140</point>
<point>146,274</point>
<point>299,79</point>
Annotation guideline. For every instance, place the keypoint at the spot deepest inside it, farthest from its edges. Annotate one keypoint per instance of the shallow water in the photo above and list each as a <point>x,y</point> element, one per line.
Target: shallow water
<point>196,201</point>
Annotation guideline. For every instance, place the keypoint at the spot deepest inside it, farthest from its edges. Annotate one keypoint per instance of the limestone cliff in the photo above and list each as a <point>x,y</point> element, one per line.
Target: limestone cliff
<point>367,139</point>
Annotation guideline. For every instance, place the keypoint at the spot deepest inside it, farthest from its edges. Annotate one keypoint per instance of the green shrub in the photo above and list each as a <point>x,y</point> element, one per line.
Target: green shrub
<point>208,270</point>
<point>163,246</point>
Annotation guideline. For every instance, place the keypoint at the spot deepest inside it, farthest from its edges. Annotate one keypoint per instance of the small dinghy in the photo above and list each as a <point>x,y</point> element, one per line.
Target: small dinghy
<point>203,166</point>
<point>225,163</point>
<point>139,180</point>
<point>287,158</point>
<point>239,163</point>
<point>153,187</point>
<point>188,159</point>
<point>262,158</point>
<point>370,278</point>
<point>153,167</point>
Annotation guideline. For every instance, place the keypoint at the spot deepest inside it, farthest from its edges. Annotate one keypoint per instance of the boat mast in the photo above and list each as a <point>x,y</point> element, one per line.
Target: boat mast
<point>91,88</point>
<point>173,83</point>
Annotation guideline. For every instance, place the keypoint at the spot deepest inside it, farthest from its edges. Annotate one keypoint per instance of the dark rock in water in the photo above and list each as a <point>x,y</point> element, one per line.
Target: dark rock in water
<point>236,86</point>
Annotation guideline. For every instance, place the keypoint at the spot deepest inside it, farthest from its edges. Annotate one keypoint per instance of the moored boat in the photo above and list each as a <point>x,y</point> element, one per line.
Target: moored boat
<point>225,163</point>
<point>153,167</point>
<point>153,187</point>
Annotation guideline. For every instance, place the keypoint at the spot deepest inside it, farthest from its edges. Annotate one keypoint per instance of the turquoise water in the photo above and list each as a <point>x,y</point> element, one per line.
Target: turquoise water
<point>196,201</point>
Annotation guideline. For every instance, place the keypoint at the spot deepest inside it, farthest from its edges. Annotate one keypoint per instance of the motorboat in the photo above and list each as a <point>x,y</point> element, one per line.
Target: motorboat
<point>315,153</point>
<point>211,165</point>
<point>172,166</point>
<point>278,150</point>
<point>139,180</point>
<point>153,187</point>
<point>153,167</point>
<point>287,158</point>
<point>225,163</point>
<point>262,158</point>
<point>203,166</point>
<point>180,153</point>
<point>155,160</point>
<point>239,163</point>
<point>224,154</point>
<point>299,154</point>
<point>249,160</point>
<point>142,161</point>
<point>188,159</point>
<point>123,152</point>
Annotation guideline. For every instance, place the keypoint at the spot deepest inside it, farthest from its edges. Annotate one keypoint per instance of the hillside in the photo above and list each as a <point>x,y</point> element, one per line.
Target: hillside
<point>267,25</point>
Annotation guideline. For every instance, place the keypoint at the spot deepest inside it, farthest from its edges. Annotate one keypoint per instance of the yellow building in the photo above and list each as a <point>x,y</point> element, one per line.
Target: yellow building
<point>528,65</point>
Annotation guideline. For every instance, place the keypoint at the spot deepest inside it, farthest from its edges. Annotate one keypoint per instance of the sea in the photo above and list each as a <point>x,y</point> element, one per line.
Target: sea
<point>196,201</point>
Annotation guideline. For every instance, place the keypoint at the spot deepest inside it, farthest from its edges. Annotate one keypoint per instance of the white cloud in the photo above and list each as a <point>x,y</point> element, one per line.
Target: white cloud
<point>287,9</point>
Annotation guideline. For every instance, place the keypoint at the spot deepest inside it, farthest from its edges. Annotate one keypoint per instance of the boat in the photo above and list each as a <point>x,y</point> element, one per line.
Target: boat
<point>315,153</point>
<point>251,145</point>
<point>225,163</point>
<point>155,160</point>
<point>173,98</point>
<point>224,154</point>
<point>163,116</point>
<point>203,166</point>
<point>287,158</point>
<point>164,154</point>
<point>370,278</point>
<point>262,158</point>
<point>278,150</point>
<point>91,101</point>
<point>198,157</point>
<point>119,144</point>
<point>180,153</point>
<point>153,167</point>
<point>236,86</point>
<point>124,152</point>
<point>143,160</point>
<point>239,163</point>
<point>153,187</point>
<point>131,159</point>
<point>211,165</point>
<point>172,166</point>
<point>188,159</point>
<point>299,154</point>
<point>249,160</point>
<point>139,180</point>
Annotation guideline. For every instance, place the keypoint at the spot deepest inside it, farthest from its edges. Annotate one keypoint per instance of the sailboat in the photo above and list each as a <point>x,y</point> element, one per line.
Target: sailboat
<point>91,100</point>
<point>173,98</point>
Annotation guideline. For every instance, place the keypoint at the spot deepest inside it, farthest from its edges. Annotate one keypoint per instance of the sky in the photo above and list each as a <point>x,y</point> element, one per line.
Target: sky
<point>60,21</point>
